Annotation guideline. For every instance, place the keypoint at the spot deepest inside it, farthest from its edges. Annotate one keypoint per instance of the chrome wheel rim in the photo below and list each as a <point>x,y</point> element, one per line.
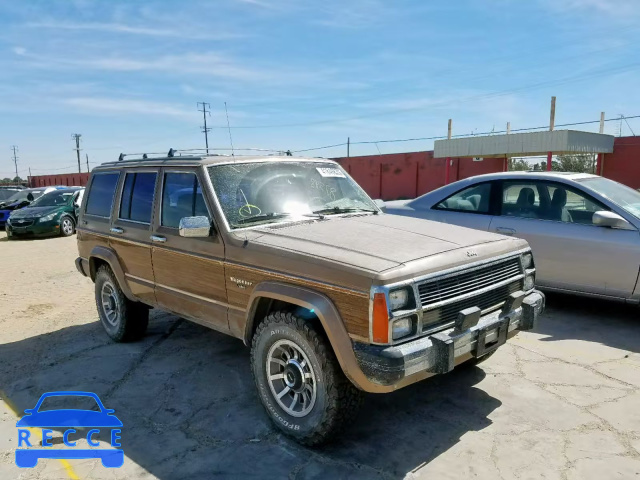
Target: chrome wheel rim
<point>291,378</point>
<point>109,303</point>
<point>67,227</point>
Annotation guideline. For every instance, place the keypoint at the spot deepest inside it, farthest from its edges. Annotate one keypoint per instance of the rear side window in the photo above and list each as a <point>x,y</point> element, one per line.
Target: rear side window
<point>100,198</point>
<point>181,197</point>
<point>137,196</point>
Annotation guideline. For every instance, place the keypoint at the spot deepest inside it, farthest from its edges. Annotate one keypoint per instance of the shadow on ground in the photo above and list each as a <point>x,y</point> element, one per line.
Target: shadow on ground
<point>189,408</point>
<point>591,320</point>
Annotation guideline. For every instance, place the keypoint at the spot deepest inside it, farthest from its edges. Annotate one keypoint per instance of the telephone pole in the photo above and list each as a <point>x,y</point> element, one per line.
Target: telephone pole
<point>15,157</point>
<point>87,157</point>
<point>76,137</point>
<point>205,130</point>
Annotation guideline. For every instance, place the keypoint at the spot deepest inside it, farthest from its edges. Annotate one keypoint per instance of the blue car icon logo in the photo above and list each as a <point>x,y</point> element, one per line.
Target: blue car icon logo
<point>67,419</point>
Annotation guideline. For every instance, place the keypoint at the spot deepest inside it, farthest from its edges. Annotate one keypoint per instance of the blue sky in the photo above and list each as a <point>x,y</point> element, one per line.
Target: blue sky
<point>299,74</point>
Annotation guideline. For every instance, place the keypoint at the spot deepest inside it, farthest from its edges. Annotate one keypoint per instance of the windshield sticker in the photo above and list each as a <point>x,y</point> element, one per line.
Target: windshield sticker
<point>330,172</point>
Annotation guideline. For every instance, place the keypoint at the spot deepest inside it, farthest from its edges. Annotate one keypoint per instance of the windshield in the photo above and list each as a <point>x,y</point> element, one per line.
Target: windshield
<point>22,195</point>
<point>54,199</point>
<point>626,198</point>
<point>280,191</point>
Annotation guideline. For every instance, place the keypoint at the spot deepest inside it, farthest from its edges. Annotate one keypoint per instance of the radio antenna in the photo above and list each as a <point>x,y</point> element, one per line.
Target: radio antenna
<point>229,128</point>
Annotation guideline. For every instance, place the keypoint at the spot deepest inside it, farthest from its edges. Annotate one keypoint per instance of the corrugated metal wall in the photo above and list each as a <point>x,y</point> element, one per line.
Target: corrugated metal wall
<point>68,179</point>
<point>408,175</point>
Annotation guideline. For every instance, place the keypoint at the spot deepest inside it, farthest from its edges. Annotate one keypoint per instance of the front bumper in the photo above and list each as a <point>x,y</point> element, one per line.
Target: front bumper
<point>37,229</point>
<point>403,364</point>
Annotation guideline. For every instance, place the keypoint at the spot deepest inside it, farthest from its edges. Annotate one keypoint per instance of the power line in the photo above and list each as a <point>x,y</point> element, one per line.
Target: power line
<point>76,137</point>
<point>205,130</point>
<point>15,158</point>
<point>440,137</point>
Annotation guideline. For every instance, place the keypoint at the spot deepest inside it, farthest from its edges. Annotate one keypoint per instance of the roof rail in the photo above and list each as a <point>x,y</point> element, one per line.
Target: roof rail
<point>173,152</point>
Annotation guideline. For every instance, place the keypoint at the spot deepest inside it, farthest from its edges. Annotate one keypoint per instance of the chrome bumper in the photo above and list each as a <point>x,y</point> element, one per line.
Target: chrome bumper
<point>440,352</point>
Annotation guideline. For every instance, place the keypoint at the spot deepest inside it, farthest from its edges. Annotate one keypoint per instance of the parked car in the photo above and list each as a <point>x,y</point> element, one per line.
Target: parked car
<point>292,257</point>
<point>582,228</point>
<point>20,199</point>
<point>54,213</point>
<point>7,190</point>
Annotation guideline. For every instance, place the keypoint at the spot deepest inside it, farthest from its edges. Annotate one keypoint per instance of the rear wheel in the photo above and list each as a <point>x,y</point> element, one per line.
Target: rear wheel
<point>299,380</point>
<point>67,226</point>
<point>122,319</point>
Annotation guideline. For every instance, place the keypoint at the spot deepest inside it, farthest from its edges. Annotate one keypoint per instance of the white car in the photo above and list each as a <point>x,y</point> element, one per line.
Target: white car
<point>582,228</point>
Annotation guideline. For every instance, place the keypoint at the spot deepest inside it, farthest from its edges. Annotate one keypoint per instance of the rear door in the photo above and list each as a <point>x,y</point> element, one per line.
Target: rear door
<point>569,251</point>
<point>189,272</point>
<point>131,230</point>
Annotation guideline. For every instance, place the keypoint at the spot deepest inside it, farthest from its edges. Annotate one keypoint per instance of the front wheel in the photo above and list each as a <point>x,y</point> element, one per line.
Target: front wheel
<point>299,380</point>
<point>67,226</point>
<point>122,319</point>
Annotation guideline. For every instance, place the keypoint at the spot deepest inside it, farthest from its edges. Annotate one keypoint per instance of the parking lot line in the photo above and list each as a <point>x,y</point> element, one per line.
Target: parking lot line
<point>38,434</point>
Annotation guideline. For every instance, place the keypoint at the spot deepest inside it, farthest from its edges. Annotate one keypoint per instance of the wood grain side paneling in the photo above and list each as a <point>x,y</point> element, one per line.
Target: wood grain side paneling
<point>87,241</point>
<point>198,276</point>
<point>353,306</point>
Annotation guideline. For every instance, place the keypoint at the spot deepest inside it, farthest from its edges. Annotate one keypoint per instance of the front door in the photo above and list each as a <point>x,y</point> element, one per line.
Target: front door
<point>570,252</point>
<point>131,228</point>
<point>189,272</point>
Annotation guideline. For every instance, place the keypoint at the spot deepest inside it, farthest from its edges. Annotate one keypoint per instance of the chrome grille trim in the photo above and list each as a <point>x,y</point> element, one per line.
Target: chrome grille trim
<point>471,282</point>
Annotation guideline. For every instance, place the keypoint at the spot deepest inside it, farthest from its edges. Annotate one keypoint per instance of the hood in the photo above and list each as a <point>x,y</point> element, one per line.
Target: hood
<point>34,212</point>
<point>373,242</point>
<point>12,205</point>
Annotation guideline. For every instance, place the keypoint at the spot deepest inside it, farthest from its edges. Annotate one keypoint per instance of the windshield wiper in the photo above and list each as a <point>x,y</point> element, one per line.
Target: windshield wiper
<point>261,217</point>
<point>336,210</point>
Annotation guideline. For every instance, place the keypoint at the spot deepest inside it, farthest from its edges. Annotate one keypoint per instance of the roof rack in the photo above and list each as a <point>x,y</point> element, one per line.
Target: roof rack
<point>192,152</point>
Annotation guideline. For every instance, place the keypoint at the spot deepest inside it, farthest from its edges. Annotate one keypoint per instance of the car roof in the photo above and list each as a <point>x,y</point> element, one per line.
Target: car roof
<point>532,175</point>
<point>206,160</point>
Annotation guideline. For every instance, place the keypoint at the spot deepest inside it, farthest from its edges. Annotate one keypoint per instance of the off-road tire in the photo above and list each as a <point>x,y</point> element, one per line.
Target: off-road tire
<point>131,318</point>
<point>337,399</point>
<point>68,233</point>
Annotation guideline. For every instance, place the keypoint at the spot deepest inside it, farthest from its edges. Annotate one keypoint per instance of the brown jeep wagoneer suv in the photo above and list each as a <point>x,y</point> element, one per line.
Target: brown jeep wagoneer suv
<point>291,256</point>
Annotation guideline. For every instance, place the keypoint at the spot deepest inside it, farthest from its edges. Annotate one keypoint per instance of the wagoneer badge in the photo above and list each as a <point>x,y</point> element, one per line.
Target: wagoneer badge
<point>241,283</point>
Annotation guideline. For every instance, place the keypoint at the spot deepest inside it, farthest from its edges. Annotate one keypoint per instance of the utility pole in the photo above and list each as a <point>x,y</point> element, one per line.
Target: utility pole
<point>205,130</point>
<point>348,147</point>
<point>15,157</point>
<point>552,124</point>
<point>87,157</point>
<point>76,137</point>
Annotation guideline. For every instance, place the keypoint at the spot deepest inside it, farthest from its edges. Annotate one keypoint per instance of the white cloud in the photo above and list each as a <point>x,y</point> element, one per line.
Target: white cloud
<point>19,50</point>
<point>187,33</point>
<point>614,8</point>
<point>117,105</point>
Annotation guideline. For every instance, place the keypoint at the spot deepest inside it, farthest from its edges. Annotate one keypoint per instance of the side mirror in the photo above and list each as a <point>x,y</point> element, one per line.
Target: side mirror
<point>604,218</point>
<point>194,227</point>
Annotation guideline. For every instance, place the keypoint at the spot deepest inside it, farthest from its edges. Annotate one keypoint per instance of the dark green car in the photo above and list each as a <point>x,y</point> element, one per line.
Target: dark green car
<point>54,213</point>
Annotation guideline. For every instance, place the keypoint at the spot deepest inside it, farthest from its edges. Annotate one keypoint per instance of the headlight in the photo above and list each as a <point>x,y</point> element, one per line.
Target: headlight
<point>401,328</point>
<point>398,298</point>
<point>527,260</point>
<point>529,282</point>
<point>47,218</point>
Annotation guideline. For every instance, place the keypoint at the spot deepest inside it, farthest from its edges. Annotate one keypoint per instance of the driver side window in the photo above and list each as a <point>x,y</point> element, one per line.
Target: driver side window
<point>181,197</point>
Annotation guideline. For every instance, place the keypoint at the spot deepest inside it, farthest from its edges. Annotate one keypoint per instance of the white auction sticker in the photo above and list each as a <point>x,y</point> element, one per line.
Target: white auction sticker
<point>330,172</point>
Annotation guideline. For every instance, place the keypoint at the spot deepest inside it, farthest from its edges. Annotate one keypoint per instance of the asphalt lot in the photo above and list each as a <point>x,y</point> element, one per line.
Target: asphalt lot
<point>563,402</point>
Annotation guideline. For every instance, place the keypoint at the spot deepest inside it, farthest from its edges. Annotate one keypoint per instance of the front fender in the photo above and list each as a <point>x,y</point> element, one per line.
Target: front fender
<point>329,318</point>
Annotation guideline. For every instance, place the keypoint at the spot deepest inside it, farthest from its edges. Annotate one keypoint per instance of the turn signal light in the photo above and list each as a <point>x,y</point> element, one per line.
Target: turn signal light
<point>380,319</point>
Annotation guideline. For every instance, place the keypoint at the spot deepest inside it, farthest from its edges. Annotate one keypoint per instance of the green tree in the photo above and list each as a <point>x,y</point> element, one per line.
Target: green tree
<point>17,180</point>
<point>579,163</point>
<point>519,164</point>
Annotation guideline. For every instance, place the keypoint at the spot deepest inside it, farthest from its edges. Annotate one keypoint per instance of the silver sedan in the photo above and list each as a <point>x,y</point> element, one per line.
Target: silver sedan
<point>583,229</point>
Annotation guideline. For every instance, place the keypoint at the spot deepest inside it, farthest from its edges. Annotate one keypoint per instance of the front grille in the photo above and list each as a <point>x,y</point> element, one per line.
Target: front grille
<point>447,314</point>
<point>22,223</point>
<point>443,297</point>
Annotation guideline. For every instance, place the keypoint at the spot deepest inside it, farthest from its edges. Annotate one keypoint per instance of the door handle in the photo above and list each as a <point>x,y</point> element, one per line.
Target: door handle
<point>158,238</point>
<point>117,230</point>
<point>505,230</point>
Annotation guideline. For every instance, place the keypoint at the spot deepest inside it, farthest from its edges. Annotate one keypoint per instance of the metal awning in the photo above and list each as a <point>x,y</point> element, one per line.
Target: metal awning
<point>525,144</point>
